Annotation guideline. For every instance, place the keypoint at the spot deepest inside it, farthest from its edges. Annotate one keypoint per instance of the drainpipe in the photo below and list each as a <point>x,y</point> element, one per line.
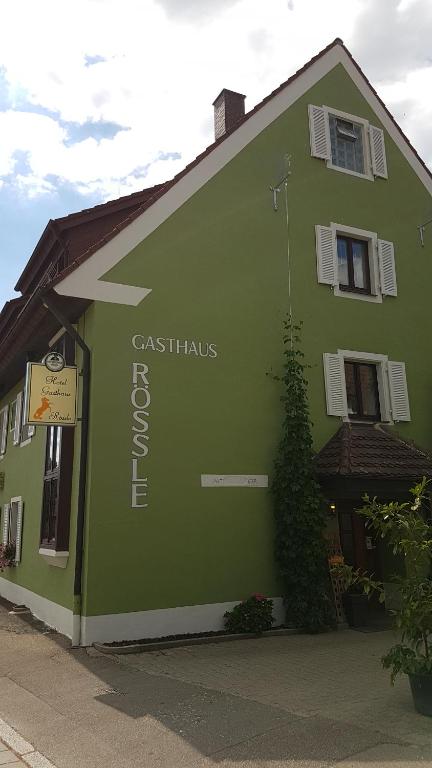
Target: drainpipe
<point>47,300</point>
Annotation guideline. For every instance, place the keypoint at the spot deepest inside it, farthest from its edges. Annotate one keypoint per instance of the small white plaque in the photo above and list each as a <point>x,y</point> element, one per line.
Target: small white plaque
<point>234,481</point>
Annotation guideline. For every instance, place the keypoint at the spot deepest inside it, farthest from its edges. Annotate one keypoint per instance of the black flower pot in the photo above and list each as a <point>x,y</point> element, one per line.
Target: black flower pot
<point>356,609</point>
<point>421,689</point>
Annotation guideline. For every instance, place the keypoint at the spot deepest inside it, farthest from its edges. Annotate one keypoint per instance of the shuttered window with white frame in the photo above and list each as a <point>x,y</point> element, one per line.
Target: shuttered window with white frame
<point>398,391</point>
<point>5,524</point>
<point>334,377</point>
<point>378,152</point>
<point>319,135</point>
<point>387,268</point>
<point>4,414</point>
<point>12,525</point>
<point>17,419</point>
<point>327,263</point>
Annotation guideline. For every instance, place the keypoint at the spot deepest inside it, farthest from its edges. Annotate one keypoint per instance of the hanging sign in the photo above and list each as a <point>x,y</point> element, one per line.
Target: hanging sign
<point>51,396</point>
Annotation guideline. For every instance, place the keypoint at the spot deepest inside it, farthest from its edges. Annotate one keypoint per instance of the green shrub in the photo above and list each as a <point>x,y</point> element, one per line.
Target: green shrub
<point>299,511</point>
<point>407,529</point>
<point>251,615</point>
<point>7,555</point>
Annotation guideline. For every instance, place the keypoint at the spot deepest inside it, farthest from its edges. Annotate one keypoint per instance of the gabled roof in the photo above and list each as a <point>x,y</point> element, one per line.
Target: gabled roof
<point>371,451</point>
<point>74,234</point>
<point>82,278</point>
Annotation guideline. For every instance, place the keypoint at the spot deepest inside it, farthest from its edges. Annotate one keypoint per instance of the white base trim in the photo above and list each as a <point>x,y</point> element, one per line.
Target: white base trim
<point>53,614</point>
<point>161,622</point>
<point>113,627</point>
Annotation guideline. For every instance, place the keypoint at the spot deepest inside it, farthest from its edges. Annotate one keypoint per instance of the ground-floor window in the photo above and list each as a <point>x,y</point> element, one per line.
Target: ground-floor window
<point>12,522</point>
<point>57,480</point>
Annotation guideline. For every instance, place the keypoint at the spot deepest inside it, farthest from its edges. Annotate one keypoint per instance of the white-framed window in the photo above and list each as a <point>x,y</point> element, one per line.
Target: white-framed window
<point>22,433</point>
<point>13,414</point>
<point>4,416</point>
<point>12,524</point>
<point>347,142</point>
<point>356,263</point>
<point>364,386</point>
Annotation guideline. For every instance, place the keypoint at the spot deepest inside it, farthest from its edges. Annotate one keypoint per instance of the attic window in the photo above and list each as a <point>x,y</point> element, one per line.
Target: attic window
<point>346,140</point>
<point>347,143</point>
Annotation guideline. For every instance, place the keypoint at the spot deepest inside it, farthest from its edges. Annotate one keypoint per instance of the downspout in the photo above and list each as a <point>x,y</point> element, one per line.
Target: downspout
<point>48,302</point>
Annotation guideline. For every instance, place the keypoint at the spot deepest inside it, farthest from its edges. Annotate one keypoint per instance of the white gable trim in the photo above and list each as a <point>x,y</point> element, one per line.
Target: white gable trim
<point>85,281</point>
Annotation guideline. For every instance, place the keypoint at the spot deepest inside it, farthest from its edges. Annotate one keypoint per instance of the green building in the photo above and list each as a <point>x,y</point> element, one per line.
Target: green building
<point>153,517</point>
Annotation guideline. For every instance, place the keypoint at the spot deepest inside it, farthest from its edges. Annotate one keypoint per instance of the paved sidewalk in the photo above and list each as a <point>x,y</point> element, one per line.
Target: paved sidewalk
<point>14,750</point>
<point>284,702</point>
<point>7,757</point>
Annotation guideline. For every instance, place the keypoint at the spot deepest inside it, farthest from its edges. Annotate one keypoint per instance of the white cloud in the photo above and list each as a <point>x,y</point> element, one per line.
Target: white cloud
<point>393,37</point>
<point>163,63</point>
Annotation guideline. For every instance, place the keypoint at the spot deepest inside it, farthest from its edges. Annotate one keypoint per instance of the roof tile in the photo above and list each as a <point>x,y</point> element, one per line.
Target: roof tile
<point>356,450</point>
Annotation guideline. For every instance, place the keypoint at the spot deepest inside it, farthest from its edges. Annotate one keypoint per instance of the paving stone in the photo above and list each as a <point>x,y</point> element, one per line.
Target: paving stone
<point>7,757</point>
<point>36,760</point>
<point>390,756</point>
<point>312,743</point>
<point>13,739</point>
<point>297,702</point>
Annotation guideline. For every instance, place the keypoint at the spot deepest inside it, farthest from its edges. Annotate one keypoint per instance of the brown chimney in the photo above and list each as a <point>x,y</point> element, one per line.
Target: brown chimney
<point>229,108</point>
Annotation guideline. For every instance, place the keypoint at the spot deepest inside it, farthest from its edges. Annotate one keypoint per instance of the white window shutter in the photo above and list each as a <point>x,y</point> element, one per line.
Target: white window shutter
<point>5,524</point>
<point>327,267</point>
<point>387,268</point>
<point>31,429</point>
<point>378,153</point>
<point>334,376</point>
<point>17,425</point>
<point>4,413</point>
<point>398,391</point>
<point>18,534</point>
<point>319,135</point>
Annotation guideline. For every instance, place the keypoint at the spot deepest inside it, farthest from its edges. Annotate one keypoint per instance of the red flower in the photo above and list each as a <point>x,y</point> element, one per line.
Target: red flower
<point>258,596</point>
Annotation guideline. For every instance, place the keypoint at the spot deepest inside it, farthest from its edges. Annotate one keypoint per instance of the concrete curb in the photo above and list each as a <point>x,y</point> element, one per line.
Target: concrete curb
<point>160,645</point>
<point>22,748</point>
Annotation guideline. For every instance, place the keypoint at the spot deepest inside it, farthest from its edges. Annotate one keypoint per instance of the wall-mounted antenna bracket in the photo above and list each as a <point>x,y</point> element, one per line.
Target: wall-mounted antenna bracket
<point>277,188</point>
<point>421,230</point>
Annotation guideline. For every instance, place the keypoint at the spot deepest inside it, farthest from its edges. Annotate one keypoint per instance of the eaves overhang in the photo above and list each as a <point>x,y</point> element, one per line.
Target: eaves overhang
<point>28,334</point>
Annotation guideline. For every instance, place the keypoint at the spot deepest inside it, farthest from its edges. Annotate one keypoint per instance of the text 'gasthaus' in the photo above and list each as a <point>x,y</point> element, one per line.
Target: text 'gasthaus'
<point>175,346</point>
<point>140,402</point>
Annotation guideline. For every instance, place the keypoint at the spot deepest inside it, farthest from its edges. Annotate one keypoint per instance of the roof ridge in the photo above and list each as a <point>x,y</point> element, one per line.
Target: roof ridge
<point>109,203</point>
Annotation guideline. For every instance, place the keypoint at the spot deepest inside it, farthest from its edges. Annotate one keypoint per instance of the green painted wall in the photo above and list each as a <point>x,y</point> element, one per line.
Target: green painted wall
<point>23,468</point>
<point>218,273</point>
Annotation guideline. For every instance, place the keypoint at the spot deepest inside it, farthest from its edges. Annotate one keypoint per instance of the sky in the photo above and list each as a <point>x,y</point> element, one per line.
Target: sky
<point>100,98</point>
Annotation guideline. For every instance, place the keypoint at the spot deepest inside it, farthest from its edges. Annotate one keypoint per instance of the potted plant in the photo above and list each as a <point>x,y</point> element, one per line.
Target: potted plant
<point>355,604</point>
<point>7,555</point>
<point>408,531</point>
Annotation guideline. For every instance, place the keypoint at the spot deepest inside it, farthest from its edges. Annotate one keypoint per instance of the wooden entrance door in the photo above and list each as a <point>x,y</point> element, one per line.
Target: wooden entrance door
<point>360,546</point>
